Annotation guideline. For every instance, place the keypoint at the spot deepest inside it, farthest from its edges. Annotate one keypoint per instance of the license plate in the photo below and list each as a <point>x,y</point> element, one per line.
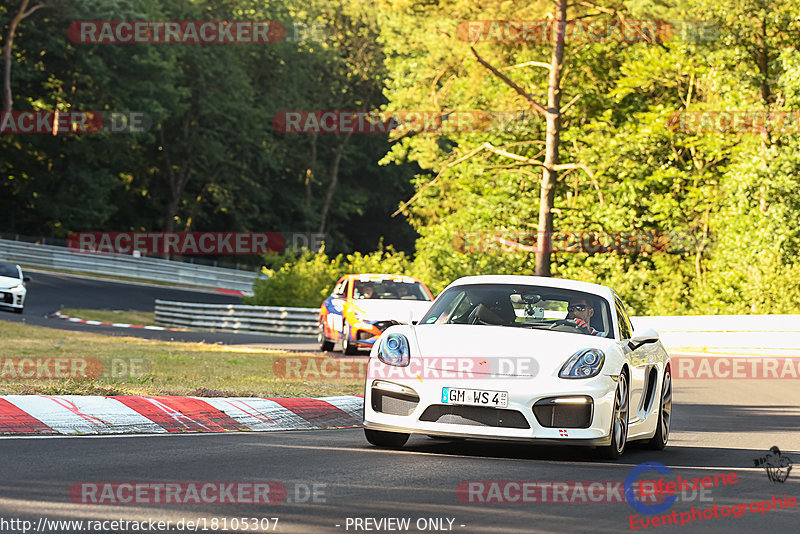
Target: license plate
<point>475,397</point>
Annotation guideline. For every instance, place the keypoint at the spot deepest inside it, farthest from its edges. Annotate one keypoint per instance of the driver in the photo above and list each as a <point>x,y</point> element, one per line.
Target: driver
<point>401,290</point>
<point>366,291</point>
<point>581,311</point>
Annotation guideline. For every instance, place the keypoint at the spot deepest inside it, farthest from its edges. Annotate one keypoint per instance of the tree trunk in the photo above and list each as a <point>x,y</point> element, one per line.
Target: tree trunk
<point>12,28</point>
<point>551,159</point>
<point>333,173</point>
<point>309,178</point>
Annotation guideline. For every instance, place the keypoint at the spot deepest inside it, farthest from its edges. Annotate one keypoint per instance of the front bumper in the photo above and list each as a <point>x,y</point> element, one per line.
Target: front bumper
<point>12,298</point>
<point>516,422</point>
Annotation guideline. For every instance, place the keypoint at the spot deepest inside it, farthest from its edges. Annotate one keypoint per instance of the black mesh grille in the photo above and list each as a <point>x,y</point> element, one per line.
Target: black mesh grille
<point>7,297</point>
<point>393,403</point>
<point>475,416</point>
<point>553,415</point>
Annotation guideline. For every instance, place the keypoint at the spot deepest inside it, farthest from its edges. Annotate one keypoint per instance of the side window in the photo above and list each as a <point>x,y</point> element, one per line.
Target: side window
<point>341,289</point>
<point>625,330</point>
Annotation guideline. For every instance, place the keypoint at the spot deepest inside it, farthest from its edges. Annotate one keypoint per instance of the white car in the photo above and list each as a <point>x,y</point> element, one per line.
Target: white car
<point>12,287</point>
<point>508,357</point>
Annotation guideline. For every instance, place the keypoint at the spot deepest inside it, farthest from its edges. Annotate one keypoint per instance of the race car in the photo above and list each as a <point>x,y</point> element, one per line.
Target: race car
<point>527,358</point>
<point>362,306</point>
<point>12,287</point>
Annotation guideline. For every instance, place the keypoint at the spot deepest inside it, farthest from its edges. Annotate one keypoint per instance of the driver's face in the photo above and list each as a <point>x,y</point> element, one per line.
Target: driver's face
<point>581,310</point>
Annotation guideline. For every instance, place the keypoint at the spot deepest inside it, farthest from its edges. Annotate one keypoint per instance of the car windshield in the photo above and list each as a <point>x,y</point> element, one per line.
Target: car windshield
<point>522,306</point>
<point>389,290</point>
<point>7,269</point>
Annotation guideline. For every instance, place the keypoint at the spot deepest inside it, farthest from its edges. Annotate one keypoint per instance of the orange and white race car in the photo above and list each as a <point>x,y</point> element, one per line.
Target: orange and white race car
<point>362,306</point>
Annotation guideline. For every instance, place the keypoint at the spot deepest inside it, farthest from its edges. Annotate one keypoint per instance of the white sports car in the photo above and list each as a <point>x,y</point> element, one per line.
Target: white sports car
<point>12,287</point>
<point>521,358</point>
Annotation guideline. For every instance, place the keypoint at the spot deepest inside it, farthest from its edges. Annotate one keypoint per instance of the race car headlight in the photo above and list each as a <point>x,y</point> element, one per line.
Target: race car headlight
<point>19,287</point>
<point>585,363</point>
<point>394,350</point>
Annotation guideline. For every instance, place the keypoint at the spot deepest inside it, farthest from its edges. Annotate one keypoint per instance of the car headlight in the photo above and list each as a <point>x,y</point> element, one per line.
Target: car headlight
<point>394,350</point>
<point>19,287</point>
<point>585,363</point>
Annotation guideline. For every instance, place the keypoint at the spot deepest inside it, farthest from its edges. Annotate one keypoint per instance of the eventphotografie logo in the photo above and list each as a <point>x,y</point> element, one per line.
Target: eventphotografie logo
<point>776,464</point>
<point>74,122</point>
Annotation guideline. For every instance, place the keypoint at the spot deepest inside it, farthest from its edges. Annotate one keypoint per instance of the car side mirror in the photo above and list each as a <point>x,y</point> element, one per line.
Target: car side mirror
<point>642,338</point>
<point>26,278</point>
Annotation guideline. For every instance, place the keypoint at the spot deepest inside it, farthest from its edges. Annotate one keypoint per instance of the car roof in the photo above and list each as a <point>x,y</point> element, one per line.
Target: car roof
<point>380,276</point>
<point>542,281</point>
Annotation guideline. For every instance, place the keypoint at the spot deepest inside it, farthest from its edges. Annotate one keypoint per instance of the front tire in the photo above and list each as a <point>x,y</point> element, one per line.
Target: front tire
<point>347,347</point>
<point>659,441</point>
<point>325,345</point>
<point>619,422</point>
<point>379,438</point>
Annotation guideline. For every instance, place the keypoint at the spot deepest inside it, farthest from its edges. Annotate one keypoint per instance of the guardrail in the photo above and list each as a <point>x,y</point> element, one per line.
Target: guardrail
<point>295,322</point>
<point>144,268</point>
<point>725,331</point>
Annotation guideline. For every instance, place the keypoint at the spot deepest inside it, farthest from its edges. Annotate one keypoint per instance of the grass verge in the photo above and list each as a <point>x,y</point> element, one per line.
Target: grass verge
<point>33,358</point>
<point>113,316</point>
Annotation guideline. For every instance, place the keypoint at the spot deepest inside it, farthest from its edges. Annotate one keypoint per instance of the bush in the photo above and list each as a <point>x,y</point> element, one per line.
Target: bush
<point>306,279</point>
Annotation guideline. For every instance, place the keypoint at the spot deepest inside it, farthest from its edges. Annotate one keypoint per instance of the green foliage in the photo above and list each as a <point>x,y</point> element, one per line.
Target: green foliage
<point>307,278</point>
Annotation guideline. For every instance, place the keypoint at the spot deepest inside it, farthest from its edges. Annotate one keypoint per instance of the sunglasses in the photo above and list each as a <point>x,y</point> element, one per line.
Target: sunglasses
<point>577,307</point>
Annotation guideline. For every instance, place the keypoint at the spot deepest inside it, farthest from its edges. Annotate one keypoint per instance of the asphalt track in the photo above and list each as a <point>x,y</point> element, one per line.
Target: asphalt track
<point>720,426</point>
<point>48,292</point>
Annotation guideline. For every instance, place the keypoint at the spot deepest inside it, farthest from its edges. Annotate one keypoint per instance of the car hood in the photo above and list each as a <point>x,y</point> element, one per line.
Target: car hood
<point>7,282</point>
<point>389,309</point>
<point>503,350</point>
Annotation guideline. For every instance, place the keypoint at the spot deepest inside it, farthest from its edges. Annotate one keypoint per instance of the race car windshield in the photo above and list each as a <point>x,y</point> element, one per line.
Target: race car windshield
<point>522,306</point>
<point>389,290</point>
<point>6,269</point>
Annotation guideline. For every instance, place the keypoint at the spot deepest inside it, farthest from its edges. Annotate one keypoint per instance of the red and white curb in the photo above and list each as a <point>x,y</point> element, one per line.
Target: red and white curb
<point>59,315</point>
<point>79,415</point>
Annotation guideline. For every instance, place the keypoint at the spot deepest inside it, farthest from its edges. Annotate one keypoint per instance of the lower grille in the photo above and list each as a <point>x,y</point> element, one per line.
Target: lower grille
<point>393,403</point>
<point>8,298</point>
<point>551,414</point>
<point>475,416</point>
